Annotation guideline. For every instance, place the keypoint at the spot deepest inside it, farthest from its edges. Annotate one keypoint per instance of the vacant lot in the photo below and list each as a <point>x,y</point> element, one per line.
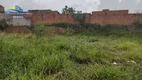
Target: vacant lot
<point>76,57</point>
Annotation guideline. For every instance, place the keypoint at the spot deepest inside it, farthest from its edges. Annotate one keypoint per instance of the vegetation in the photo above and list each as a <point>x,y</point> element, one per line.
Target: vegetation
<point>3,24</point>
<point>93,52</point>
<point>77,15</point>
<point>80,17</point>
<point>137,24</point>
<point>96,29</point>
<point>38,30</point>
<point>68,10</point>
<point>88,55</point>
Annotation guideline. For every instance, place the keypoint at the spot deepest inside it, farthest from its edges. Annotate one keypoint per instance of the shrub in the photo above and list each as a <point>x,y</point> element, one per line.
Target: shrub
<point>3,24</point>
<point>70,31</point>
<point>31,27</point>
<point>75,27</point>
<point>110,29</point>
<point>50,31</point>
<point>93,29</point>
<point>38,30</point>
<point>137,24</point>
<point>80,18</point>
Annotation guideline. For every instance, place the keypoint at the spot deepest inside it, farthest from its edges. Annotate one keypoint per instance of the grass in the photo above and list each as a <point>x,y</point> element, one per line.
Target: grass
<point>76,57</point>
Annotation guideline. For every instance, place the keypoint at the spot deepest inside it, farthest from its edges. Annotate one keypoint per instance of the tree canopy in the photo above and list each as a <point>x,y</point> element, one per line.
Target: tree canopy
<point>77,15</point>
<point>68,10</point>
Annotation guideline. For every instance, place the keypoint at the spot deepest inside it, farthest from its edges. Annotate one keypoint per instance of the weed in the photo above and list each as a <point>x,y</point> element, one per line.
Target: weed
<point>126,45</point>
<point>74,57</point>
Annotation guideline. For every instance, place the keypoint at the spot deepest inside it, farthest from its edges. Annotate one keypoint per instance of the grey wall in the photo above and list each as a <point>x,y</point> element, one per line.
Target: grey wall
<point>21,22</point>
<point>7,17</point>
<point>2,16</point>
<point>15,21</point>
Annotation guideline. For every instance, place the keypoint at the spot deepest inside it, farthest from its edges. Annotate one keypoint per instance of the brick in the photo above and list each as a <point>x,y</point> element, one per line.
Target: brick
<point>104,17</point>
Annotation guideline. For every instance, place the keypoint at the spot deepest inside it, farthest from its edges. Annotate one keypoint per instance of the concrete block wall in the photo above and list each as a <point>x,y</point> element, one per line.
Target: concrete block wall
<point>7,17</point>
<point>21,22</point>
<point>15,19</point>
<point>19,19</point>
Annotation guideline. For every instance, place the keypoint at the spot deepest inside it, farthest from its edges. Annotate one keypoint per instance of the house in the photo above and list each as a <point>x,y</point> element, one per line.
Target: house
<point>1,9</point>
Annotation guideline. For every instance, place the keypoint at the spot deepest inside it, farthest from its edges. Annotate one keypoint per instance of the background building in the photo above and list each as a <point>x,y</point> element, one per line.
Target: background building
<point>1,9</point>
<point>16,16</point>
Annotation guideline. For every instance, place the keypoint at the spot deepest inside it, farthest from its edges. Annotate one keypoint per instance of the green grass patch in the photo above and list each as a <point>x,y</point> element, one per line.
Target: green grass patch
<point>70,57</point>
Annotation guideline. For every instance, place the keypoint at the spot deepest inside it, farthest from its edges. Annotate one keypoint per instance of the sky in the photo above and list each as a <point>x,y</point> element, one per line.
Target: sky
<point>85,5</point>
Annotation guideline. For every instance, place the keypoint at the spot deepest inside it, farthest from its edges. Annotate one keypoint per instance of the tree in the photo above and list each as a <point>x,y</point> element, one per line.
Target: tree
<point>80,17</point>
<point>77,15</point>
<point>68,10</point>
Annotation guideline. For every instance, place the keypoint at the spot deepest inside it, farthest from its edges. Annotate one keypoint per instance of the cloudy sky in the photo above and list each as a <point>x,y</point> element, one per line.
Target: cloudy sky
<point>84,5</point>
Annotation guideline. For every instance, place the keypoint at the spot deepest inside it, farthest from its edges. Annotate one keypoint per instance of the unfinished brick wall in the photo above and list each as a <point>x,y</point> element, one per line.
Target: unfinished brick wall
<point>52,17</point>
<point>104,17</point>
<point>115,17</point>
<point>87,17</point>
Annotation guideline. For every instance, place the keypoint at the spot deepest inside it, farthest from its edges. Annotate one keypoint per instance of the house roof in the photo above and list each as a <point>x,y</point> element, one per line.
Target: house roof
<point>1,6</point>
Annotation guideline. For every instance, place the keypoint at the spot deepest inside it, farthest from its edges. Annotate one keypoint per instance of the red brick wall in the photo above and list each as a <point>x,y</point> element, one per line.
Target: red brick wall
<point>58,18</point>
<point>98,17</point>
<point>87,17</point>
<point>1,9</point>
<point>52,17</point>
<point>70,19</point>
<point>114,17</point>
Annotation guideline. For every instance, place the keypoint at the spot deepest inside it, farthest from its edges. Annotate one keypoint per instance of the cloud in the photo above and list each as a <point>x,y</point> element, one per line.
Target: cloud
<point>90,6</point>
<point>131,5</point>
<point>84,5</point>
